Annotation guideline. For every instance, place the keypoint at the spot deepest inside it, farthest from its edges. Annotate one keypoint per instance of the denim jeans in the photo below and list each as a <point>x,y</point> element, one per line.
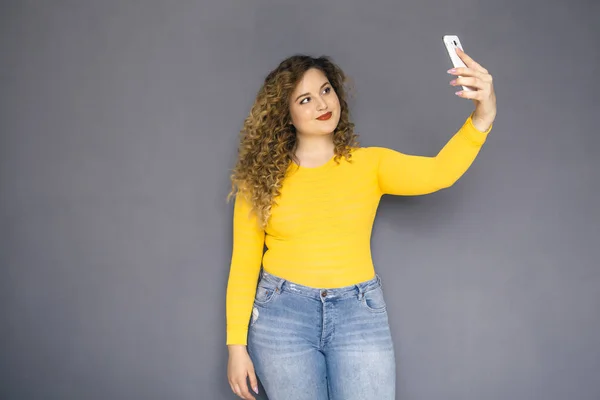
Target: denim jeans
<point>318,344</point>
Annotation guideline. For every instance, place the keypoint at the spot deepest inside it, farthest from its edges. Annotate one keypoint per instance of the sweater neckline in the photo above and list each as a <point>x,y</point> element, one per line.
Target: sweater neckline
<point>323,167</point>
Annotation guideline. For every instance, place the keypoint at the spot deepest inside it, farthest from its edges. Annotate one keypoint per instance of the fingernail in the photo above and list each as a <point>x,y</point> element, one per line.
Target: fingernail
<point>458,93</point>
<point>451,71</point>
<point>255,388</point>
<point>453,81</point>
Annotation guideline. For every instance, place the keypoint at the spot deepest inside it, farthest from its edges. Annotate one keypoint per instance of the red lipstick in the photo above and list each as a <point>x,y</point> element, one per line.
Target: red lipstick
<point>325,116</point>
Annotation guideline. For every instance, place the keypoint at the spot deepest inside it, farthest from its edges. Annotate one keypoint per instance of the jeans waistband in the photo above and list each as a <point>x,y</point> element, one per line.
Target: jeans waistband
<point>318,293</point>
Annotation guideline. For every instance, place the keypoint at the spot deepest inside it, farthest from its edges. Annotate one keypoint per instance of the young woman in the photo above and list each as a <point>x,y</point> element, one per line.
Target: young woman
<point>313,323</point>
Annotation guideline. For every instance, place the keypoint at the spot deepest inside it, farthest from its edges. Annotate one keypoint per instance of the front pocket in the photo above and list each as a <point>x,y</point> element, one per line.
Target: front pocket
<point>264,294</point>
<point>373,300</point>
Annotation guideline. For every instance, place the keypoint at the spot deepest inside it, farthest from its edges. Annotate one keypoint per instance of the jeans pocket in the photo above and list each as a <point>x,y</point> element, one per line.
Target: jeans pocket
<point>264,293</point>
<point>373,300</point>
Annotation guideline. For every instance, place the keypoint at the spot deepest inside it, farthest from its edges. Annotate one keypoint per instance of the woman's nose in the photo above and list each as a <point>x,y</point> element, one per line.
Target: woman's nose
<point>321,104</point>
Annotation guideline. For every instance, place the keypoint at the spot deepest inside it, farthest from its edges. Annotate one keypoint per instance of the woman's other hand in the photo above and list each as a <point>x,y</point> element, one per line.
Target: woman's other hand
<point>240,367</point>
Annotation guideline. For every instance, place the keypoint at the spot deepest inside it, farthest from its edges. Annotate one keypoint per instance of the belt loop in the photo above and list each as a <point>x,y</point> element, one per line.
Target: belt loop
<point>280,283</point>
<point>360,291</point>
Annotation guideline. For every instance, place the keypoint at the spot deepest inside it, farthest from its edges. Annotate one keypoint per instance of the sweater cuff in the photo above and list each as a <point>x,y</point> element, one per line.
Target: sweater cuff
<point>475,135</point>
<point>237,335</point>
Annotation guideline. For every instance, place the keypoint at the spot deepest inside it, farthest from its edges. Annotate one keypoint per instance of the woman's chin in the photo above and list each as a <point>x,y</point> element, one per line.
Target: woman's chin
<point>327,129</point>
<point>321,131</point>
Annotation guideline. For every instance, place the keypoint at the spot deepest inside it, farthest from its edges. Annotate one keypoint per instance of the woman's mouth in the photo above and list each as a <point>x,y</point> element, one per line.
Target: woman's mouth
<point>325,116</point>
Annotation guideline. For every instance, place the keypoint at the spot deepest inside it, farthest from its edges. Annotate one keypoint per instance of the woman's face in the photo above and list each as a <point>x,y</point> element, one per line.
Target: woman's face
<point>312,102</point>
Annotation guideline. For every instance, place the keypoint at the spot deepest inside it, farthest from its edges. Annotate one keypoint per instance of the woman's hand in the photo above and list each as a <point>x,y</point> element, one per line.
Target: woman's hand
<point>479,79</point>
<point>238,368</point>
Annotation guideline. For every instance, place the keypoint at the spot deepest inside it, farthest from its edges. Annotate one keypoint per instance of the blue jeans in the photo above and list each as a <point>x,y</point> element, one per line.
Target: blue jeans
<point>320,344</point>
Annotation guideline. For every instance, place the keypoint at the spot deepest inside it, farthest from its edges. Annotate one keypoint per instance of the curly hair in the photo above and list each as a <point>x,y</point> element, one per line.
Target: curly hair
<point>268,138</point>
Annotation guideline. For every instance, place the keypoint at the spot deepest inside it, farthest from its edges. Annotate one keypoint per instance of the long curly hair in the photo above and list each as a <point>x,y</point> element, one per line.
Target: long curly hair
<point>268,138</point>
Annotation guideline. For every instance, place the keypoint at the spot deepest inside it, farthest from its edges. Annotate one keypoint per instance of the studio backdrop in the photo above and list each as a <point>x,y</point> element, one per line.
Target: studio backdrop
<point>119,125</point>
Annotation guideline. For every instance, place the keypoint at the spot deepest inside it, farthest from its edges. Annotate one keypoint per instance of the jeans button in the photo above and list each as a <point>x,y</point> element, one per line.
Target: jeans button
<point>324,293</point>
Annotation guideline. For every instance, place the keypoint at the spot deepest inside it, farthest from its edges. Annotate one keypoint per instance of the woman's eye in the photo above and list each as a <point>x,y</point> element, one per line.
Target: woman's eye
<point>326,90</point>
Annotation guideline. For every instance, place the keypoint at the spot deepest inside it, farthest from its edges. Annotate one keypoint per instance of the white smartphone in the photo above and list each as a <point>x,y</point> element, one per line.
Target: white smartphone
<point>452,42</point>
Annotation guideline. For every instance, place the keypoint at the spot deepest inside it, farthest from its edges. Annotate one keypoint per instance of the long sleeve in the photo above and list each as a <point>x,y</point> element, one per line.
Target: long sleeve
<point>404,174</point>
<point>247,253</point>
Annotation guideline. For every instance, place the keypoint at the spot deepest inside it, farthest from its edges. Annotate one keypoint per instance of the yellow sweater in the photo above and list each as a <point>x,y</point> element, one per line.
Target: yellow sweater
<point>319,232</point>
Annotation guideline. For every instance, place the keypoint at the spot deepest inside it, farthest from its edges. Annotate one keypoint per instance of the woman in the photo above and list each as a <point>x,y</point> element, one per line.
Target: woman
<point>315,324</point>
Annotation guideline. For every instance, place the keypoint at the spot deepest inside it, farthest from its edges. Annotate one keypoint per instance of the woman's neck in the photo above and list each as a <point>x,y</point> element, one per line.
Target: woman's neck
<point>314,150</point>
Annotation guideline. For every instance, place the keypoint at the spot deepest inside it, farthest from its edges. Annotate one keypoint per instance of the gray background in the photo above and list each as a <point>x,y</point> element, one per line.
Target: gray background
<point>119,124</point>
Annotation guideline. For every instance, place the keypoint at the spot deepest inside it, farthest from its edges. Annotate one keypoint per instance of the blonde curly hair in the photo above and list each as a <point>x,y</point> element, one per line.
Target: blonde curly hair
<point>268,138</point>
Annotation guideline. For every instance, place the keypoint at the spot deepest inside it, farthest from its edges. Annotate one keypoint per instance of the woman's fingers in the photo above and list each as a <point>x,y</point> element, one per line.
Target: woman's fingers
<point>241,389</point>
<point>462,71</point>
<point>468,81</point>
<point>480,81</point>
<point>473,94</point>
<point>236,389</point>
<point>253,381</point>
<point>469,62</point>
